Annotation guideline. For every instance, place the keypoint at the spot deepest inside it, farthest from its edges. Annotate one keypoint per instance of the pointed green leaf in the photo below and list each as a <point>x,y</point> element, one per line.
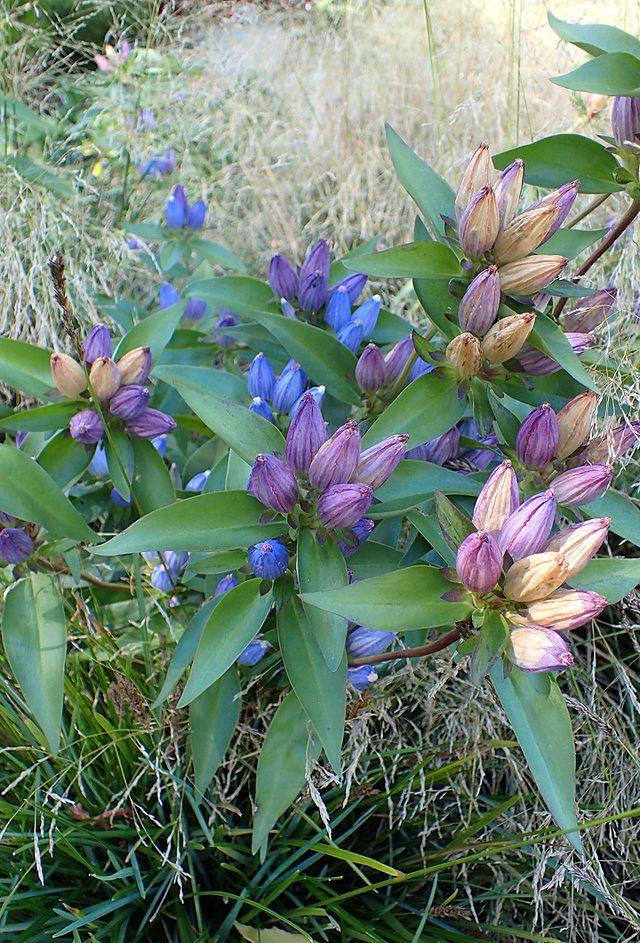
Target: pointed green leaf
<point>433,195</point>
<point>218,254</point>
<point>186,649</point>
<point>548,337</point>
<point>561,158</point>
<point>414,482</point>
<point>413,260</point>
<point>41,418</point>
<point>595,38</point>
<point>119,451</point>
<point>624,514</point>
<point>213,717</point>
<point>63,458</point>
<point>612,577</point>
<point>490,644</point>
<point>154,331</point>
<point>207,380</point>
<point>320,567</point>
<point>571,242</point>
<point>612,73</point>
<point>25,367</point>
<point>152,485</point>
<point>454,525</point>
<point>424,409</point>
<point>243,296</point>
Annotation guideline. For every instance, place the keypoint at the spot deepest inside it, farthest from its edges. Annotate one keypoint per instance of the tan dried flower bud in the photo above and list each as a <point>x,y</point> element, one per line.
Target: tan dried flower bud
<point>479,173</point>
<point>524,234</point>
<point>507,189</point>
<point>535,577</point>
<point>574,423</point>
<point>531,274</point>
<point>565,609</point>
<point>463,353</point>
<point>507,337</point>
<point>68,375</point>
<point>135,366</point>
<point>104,377</point>
<point>578,543</point>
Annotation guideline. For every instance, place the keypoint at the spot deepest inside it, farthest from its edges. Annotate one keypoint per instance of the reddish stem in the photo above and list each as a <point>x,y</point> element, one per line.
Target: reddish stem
<point>443,642</point>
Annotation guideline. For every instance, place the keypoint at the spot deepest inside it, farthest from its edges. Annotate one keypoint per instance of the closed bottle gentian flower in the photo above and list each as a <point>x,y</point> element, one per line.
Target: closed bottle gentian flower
<point>195,309</point>
<point>370,369</point>
<point>196,215</point>
<point>359,533</point>
<point>564,610</point>
<point>582,484</point>
<point>268,559</point>
<point>561,200</point>
<point>531,274</point>
<point>318,260</point>
<point>363,642</point>
<point>442,448</point>
<point>149,423</point>
<point>377,463</point>
<point>351,335</point>
<point>97,344</point>
<point>625,119</point>
<point>254,652</point>
<point>478,173</point>
<point>590,312</point>
<point>159,442</point>
<point>507,337</point>
<point>368,313</point>
<point>336,460</point>
<point>161,580</point>
<point>611,445</point>
<point>338,311</point>
<point>537,438</point>
<point>527,530</point>
<point>525,233</point>
<point>198,481</point>
<point>478,308</point>
<point>98,465</point>
<point>535,648</point>
<point>318,393</point>
<point>288,310</point>
<point>86,427</point>
<point>574,423</point>
<point>353,285</point>
<point>479,224</point>
<point>497,500</point>
<point>68,376</point>
<point>419,369</point>
<point>129,401</point>
<point>289,387</point>
<point>306,434</point>
<point>578,543</point>
<point>282,278</point>
<point>262,408</point>
<point>361,677</point>
<point>536,576</point>
<point>176,208</point>
<point>261,379</point>
<point>119,500</point>
<point>135,366</point>
<point>397,358</point>
<point>312,293</point>
<point>15,545</point>
<point>479,562</point>
<point>104,377</point>
<point>169,296</point>
<point>227,583</point>
<point>344,505</point>
<point>273,483</point>
<point>507,190</point>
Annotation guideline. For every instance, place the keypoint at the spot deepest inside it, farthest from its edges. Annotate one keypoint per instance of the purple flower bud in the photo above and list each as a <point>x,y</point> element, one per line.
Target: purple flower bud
<point>159,165</point>
<point>272,482</point>
<point>98,465</point>
<point>535,648</point>
<point>419,453</point>
<point>481,458</point>
<point>175,561</point>
<point>86,427</point>
<point>344,505</point>
<point>312,293</point>
<point>306,434</point>
<point>582,484</point>
<point>318,393</point>
<point>351,335</point>
<point>161,580</point>
<point>507,190</point>
<point>419,369</point>
<point>358,534</point>
<point>497,500</point>
<point>196,215</point>
<point>262,408</point>
<point>609,446</point>
<point>538,437</point>
<point>6,519</point>
<point>168,296</point>
<point>478,308</point>
<point>353,285</point>
<point>198,481</point>
<point>119,500</point>
<point>443,447</point>
<point>289,387</point>
<point>268,559</point>
<point>625,119</point>
<point>536,364</point>
<point>261,378</point>
<point>526,530</point>
<point>479,224</point>
<point>317,262</point>
<point>97,344</point>
<point>129,401</point>
<point>282,278</point>
<point>195,309</point>
<point>361,677</point>
<point>150,423</point>
<point>479,562</point>
<point>368,313</point>
<point>227,319</point>
<point>15,545</point>
<point>370,369</point>
<point>176,209</point>
<point>590,312</point>
<point>227,583</point>
<point>362,642</point>
<point>254,652</point>
<point>336,460</point>
<point>338,311</point>
<point>380,461</point>
<point>397,359</point>
<point>563,199</point>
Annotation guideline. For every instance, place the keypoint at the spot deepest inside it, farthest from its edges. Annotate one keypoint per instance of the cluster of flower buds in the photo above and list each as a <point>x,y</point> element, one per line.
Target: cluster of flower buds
<point>168,567</point>
<point>376,373</point>
<point>361,643</point>
<point>325,482</point>
<point>278,394</point>
<point>194,310</point>
<point>112,58</point>
<point>309,285</point>
<point>179,214</point>
<point>16,540</point>
<point>257,647</point>
<point>514,559</point>
<point>625,121</point>
<point>351,328</point>
<point>117,386</point>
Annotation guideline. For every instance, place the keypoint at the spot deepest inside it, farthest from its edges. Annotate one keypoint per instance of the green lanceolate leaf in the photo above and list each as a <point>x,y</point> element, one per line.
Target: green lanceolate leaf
<point>223,520</point>
<point>218,254</point>
<point>234,622</point>
<point>455,526</point>
<point>149,231</point>
<point>556,160</point>
<point>213,717</point>
<point>374,559</point>
<point>152,485</point>
<point>320,567</point>
<point>414,482</point>
<point>432,195</point>
<point>34,632</point>
<point>424,409</point>
<point>538,714</point>
<point>595,38</point>
<point>413,260</point>
<point>490,644</point>
<point>186,649</point>
<point>209,382</point>
<point>550,339</point>
<point>27,492</point>
<point>612,73</point>
<point>396,602</point>
<point>63,458</point>
<point>436,299</point>
<point>288,750</point>
<point>612,577</point>
<point>571,242</point>
<point>154,331</point>
<point>426,523</point>
<point>41,418</point>
<point>243,296</point>
<point>321,692</point>
<point>624,514</point>
<point>119,452</point>
<point>25,367</point>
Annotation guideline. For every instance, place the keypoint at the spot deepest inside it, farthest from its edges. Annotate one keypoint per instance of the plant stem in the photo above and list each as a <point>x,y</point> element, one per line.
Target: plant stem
<point>606,243</point>
<point>443,642</point>
<point>87,577</point>
<point>599,200</point>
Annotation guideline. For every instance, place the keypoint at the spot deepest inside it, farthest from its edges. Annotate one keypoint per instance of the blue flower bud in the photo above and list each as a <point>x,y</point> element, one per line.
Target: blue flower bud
<point>175,212</point>
<point>150,423</point>
<point>289,387</point>
<point>363,642</point>
<point>419,368</point>
<point>370,369</point>
<point>313,292</point>
<point>227,319</point>
<point>97,344</point>
<point>175,561</point>
<point>119,500</point>
<point>338,311</point>
<point>272,482</point>
<point>98,465</point>
<point>262,408</point>
<point>368,313</point>
<point>317,262</point>
<point>196,215</point>
<point>15,545</point>
<point>129,401</point>
<point>306,434</point>
<point>353,285</point>
<point>261,379</point>
<point>288,310</point>
<point>198,481</point>
<point>254,652</point>
<point>318,393</point>
<point>356,536</point>
<point>268,559</point>
<point>344,505</point>
<point>161,580</point>
<point>151,557</point>
<point>361,677</point>
<point>159,443</point>
<point>86,427</point>
<point>282,277</point>
<point>351,335</point>
<point>168,296</point>
<point>195,309</point>
<point>227,583</point>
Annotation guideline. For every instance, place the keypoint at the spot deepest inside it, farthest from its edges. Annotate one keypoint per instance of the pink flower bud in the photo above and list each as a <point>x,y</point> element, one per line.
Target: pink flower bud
<point>578,543</point>
<point>531,274</point>
<point>524,234</point>
<point>104,377</point>
<point>336,460</point>
<point>582,484</point>
<point>68,375</point>
<point>498,499</point>
<point>507,190</point>
<point>135,366</point>
<point>538,649</point>
<point>479,562</point>
<point>343,505</point>
<point>478,308</point>
<point>526,531</point>
<point>464,355</point>
<point>507,337</point>
<point>380,461</point>
<point>272,482</point>
<point>590,312</point>
<point>574,423</point>
<point>535,576</point>
<point>478,173</point>
<point>537,438</point>
<point>480,224</point>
